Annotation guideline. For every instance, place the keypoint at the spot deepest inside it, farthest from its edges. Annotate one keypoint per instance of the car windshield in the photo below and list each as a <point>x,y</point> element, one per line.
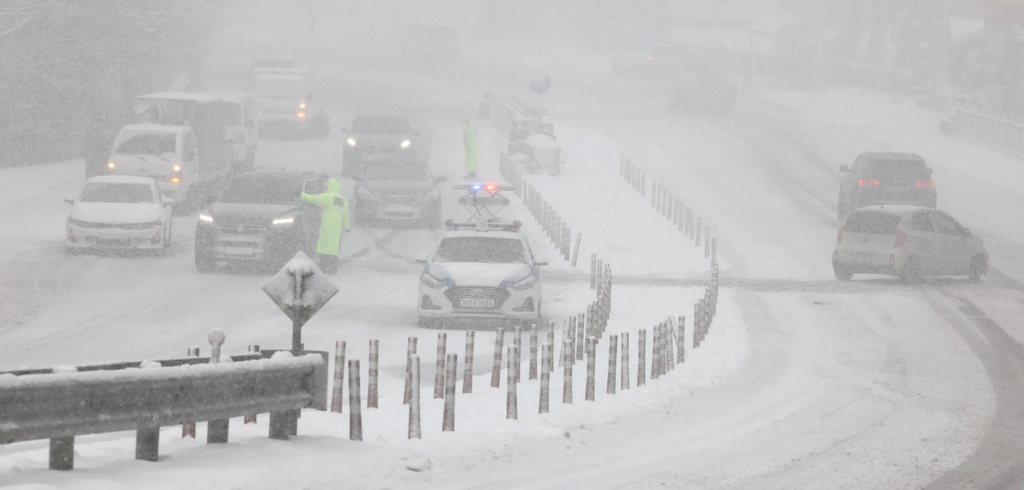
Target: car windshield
<point>381,125</point>
<point>404,172</point>
<point>896,170</point>
<point>118,193</point>
<point>262,191</point>
<point>148,144</point>
<point>872,223</point>
<point>480,249</point>
<point>279,88</point>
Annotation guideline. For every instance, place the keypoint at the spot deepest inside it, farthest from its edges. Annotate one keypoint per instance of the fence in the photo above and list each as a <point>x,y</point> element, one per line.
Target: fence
<point>108,398</point>
<point>995,132</point>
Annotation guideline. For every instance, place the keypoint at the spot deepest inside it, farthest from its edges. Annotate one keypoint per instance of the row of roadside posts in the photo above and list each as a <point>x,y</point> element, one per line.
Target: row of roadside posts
<point>551,222</point>
<point>671,207</point>
<point>581,337</point>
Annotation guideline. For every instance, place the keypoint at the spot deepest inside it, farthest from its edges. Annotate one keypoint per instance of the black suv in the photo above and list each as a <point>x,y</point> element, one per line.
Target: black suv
<point>885,178</point>
<point>398,191</point>
<point>378,135</point>
<point>259,218</point>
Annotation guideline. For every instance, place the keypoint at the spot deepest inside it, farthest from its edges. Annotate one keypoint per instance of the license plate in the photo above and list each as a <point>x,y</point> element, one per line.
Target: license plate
<point>476,303</point>
<point>861,258</point>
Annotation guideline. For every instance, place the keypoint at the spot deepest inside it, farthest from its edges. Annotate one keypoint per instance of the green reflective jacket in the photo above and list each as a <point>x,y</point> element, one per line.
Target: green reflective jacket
<point>334,217</point>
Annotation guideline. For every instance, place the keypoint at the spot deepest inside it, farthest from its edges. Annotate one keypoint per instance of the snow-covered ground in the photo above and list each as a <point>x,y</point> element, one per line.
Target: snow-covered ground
<point>803,381</point>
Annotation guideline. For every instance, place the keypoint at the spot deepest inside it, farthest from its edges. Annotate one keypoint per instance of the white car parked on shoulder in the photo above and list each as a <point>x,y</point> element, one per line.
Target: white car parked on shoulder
<point>119,212</point>
<point>909,242</point>
<point>165,153</point>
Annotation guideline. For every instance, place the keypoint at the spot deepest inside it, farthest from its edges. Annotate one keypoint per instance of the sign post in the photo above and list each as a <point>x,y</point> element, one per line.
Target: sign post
<point>300,289</point>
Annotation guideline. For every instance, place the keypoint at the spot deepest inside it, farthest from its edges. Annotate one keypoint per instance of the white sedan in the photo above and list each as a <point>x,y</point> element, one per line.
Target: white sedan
<point>119,212</point>
<point>909,242</point>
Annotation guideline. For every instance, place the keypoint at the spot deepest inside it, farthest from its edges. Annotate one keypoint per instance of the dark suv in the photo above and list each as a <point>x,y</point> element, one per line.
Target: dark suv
<point>885,178</point>
<point>259,218</point>
<point>378,136</point>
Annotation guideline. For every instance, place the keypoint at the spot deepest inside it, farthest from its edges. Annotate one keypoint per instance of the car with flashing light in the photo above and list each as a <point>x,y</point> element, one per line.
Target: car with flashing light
<point>648,60</point>
<point>283,104</point>
<point>165,153</point>
<point>907,241</point>
<point>885,178</point>
<point>376,135</point>
<point>398,191</point>
<point>259,219</point>
<point>483,273</point>
<point>119,212</point>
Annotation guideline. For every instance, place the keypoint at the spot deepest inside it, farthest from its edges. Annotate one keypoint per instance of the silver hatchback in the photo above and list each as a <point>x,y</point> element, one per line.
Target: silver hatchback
<point>909,242</point>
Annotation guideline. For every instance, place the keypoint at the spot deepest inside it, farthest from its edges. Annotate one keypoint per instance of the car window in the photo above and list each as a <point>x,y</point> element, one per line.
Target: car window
<point>403,172</point>
<point>117,193</point>
<point>872,223</point>
<point>280,88</point>
<point>381,125</point>
<point>315,186</point>
<point>261,191</point>
<point>148,144</point>
<point>896,170</point>
<point>921,221</point>
<point>480,249</point>
<point>943,223</point>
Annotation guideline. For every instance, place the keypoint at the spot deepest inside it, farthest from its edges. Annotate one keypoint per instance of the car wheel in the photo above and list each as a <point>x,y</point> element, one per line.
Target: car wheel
<point>911,272</point>
<point>842,273</point>
<point>978,267</point>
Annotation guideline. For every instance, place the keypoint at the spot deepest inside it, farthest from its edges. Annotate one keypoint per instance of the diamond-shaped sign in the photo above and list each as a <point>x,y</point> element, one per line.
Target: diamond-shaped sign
<point>300,289</point>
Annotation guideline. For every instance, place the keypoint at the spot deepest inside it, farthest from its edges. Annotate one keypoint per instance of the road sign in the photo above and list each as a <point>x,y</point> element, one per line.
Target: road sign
<point>300,289</point>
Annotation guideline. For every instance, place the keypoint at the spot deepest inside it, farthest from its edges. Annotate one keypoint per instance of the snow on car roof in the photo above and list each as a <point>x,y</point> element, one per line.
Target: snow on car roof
<point>120,179</point>
<point>155,128</point>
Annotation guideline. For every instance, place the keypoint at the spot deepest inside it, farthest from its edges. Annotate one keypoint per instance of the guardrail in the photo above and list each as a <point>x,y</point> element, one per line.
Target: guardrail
<point>995,132</point>
<point>114,397</point>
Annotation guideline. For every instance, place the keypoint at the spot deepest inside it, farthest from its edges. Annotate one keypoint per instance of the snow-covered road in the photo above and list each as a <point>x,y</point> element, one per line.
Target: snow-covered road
<point>807,381</point>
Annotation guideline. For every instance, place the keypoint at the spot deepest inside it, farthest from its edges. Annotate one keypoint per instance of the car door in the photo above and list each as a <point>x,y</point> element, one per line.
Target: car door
<point>950,247</point>
<point>923,240</point>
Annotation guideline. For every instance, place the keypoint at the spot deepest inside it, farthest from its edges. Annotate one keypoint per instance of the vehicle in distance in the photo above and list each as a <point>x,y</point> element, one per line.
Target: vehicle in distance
<point>259,218</point>
<point>398,190</point>
<point>242,128</point>
<point>885,178</point>
<point>648,60</point>
<point>119,212</point>
<point>483,272</point>
<point>378,135</point>
<point>283,103</point>
<point>167,154</point>
<point>698,88</point>
<point>431,43</point>
<point>909,242</point>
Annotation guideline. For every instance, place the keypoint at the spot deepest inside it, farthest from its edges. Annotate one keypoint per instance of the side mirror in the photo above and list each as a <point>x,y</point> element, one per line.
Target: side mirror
<point>168,201</point>
<point>441,179</point>
<point>964,231</point>
<point>844,168</point>
<point>421,257</point>
<point>929,170</point>
<point>69,199</point>
<point>540,260</point>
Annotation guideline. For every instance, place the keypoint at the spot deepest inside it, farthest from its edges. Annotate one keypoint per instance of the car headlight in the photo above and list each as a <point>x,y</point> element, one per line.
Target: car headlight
<point>351,142</point>
<point>406,143</point>
<point>205,217</point>
<point>525,284</point>
<point>283,222</point>
<point>428,281</point>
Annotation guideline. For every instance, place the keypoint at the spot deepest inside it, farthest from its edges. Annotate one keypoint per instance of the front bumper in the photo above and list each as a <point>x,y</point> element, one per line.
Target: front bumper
<point>79,237</point>
<point>479,303</point>
<point>246,243</point>
<point>404,210</point>
<point>869,261</point>
<point>281,121</point>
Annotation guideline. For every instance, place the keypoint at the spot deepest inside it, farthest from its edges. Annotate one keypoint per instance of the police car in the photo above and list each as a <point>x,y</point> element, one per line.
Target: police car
<point>480,272</point>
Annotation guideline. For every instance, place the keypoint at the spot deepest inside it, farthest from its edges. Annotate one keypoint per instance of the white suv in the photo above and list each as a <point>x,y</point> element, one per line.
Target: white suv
<point>480,272</point>
<point>907,241</point>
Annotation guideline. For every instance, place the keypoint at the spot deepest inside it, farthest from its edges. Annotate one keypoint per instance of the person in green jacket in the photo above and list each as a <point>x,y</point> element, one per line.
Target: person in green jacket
<point>469,140</point>
<point>334,222</point>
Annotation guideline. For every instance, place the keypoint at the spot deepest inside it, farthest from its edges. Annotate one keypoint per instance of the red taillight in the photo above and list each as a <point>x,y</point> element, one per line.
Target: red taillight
<point>839,239</point>
<point>901,238</point>
<point>868,182</point>
<point>926,184</point>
